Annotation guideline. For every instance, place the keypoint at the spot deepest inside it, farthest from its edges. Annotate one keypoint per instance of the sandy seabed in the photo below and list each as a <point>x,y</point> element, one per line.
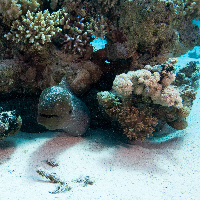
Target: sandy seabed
<point>166,168</point>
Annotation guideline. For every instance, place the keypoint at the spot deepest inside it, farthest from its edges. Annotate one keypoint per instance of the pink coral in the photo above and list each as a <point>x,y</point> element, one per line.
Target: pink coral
<point>154,84</point>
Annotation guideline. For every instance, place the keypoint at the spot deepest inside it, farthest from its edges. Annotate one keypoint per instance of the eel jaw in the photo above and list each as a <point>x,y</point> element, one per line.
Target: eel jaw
<point>48,116</point>
<point>50,121</point>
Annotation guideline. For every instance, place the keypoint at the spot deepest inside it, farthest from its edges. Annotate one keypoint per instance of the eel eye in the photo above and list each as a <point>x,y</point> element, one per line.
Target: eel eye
<point>70,111</point>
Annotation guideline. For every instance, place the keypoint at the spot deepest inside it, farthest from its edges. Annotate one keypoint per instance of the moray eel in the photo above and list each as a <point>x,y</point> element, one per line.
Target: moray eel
<point>59,109</point>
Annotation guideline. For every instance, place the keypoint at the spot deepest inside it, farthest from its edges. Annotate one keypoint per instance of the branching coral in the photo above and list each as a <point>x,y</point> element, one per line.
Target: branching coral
<point>78,31</point>
<point>137,124</point>
<point>12,9</point>
<point>34,30</point>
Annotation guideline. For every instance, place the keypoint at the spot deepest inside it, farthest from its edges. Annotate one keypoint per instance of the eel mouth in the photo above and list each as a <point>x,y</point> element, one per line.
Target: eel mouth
<point>48,116</point>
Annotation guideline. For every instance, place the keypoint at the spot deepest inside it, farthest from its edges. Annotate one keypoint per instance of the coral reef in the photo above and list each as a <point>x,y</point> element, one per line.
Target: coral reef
<point>188,75</point>
<point>22,77</point>
<point>78,30</point>
<point>136,123</point>
<point>43,41</point>
<point>32,28</point>
<point>10,123</point>
<point>9,73</point>
<point>156,28</point>
<point>142,100</point>
<point>150,28</point>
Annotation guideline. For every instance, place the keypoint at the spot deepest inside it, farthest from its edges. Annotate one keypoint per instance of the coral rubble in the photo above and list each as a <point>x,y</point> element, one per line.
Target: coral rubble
<point>63,186</point>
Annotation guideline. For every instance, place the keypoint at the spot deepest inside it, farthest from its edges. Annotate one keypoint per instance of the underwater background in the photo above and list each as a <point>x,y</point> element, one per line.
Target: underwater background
<point>99,99</point>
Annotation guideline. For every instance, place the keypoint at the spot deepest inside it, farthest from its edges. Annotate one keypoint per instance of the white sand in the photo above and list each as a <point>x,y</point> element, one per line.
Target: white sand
<point>166,168</point>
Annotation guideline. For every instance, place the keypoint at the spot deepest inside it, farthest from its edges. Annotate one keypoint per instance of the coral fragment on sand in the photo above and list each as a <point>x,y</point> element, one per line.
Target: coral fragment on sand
<point>62,187</point>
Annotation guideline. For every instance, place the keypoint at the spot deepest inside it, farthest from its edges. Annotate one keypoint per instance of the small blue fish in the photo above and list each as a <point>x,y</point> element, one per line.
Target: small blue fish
<point>59,109</point>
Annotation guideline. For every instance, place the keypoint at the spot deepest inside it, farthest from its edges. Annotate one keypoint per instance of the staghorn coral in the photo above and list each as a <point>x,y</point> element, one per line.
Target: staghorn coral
<point>35,30</point>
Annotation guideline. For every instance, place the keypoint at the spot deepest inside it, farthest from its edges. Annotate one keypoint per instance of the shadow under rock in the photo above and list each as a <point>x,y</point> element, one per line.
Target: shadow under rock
<point>136,155</point>
<point>31,136</point>
<point>99,139</point>
<point>50,150</point>
<point>7,147</point>
<point>146,156</point>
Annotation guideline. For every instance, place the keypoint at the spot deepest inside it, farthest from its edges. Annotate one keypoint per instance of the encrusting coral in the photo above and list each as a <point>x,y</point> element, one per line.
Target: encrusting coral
<point>155,29</point>
<point>22,77</point>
